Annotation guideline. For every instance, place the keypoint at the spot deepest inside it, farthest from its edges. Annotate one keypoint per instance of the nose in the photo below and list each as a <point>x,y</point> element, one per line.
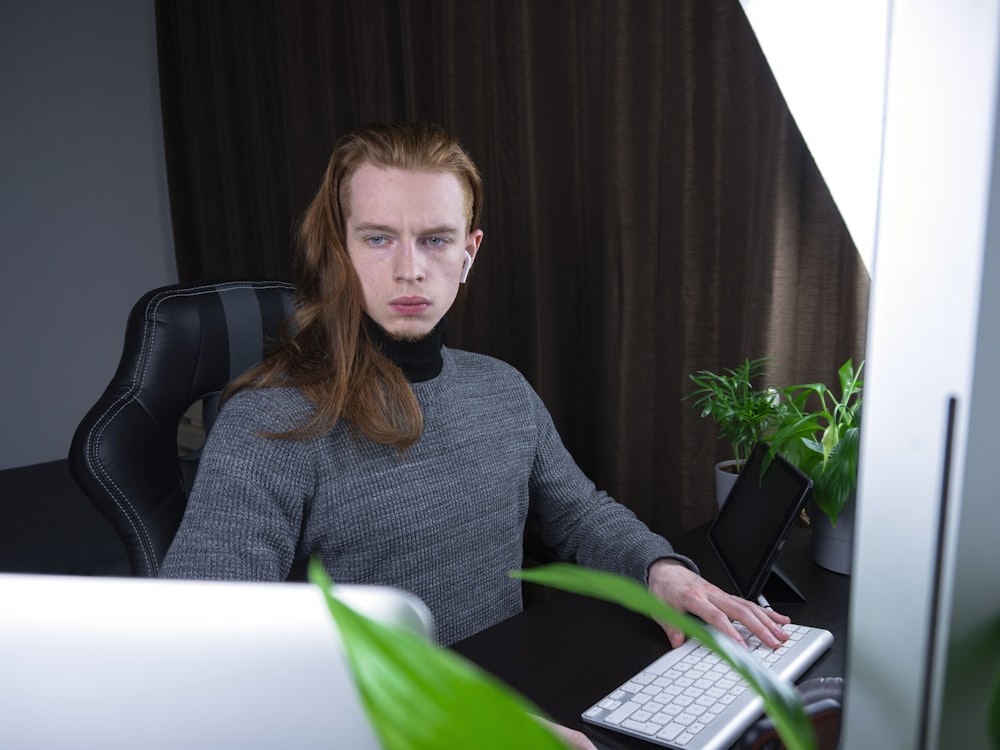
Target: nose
<point>409,263</point>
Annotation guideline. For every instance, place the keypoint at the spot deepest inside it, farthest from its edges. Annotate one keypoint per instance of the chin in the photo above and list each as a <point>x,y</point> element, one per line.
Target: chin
<point>409,333</point>
<point>409,338</point>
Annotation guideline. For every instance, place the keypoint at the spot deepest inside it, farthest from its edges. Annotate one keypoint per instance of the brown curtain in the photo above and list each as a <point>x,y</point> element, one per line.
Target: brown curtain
<point>651,208</point>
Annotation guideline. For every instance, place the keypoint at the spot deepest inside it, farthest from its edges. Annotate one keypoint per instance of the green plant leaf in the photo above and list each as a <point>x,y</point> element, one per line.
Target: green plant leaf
<point>782,702</point>
<point>820,434</point>
<point>420,696</point>
<point>743,414</point>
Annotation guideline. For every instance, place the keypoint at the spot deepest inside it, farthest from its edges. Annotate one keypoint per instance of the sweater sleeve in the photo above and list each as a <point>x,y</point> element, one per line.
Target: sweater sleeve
<point>245,512</point>
<point>583,524</point>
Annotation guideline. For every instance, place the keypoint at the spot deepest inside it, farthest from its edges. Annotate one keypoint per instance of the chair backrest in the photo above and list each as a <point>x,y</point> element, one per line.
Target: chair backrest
<point>183,344</point>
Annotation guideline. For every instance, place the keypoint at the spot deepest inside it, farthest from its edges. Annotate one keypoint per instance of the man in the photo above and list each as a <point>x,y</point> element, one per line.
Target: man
<point>363,441</point>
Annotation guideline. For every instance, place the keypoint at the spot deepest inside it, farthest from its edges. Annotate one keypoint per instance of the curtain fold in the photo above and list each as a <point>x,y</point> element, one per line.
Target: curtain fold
<point>651,208</point>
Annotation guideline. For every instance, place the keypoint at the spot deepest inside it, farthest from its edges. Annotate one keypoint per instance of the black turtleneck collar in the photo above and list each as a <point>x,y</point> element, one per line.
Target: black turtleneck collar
<point>419,360</point>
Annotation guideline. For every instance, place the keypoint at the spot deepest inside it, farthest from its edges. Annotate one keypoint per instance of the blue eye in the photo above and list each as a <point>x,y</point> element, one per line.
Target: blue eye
<point>375,241</point>
<point>435,241</point>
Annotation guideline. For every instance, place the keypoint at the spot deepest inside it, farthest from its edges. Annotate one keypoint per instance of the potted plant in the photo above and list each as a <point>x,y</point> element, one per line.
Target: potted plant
<point>820,433</point>
<point>744,413</point>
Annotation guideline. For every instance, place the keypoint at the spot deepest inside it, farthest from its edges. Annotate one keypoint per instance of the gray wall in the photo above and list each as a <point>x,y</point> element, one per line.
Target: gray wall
<point>84,217</point>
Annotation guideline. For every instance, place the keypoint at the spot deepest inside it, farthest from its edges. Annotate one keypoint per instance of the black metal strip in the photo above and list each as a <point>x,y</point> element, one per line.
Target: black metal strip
<point>935,614</point>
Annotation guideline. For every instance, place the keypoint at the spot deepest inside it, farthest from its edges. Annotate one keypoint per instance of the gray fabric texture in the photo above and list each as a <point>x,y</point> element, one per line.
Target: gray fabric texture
<point>444,521</point>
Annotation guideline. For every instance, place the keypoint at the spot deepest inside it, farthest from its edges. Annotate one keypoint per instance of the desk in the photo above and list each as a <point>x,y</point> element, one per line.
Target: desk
<point>568,652</point>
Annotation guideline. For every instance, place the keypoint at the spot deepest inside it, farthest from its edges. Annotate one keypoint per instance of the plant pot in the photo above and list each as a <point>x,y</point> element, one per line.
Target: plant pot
<point>725,477</point>
<point>833,546</point>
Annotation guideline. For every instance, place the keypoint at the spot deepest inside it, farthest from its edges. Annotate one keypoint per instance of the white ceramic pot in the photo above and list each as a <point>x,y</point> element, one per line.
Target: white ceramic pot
<point>833,546</point>
<point>725,478</point>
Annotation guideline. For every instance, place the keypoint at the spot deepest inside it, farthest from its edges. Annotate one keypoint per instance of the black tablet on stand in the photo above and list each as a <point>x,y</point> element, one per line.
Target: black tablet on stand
<point>753,523</point>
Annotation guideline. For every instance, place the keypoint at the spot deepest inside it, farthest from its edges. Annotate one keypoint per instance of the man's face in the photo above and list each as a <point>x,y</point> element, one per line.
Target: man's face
<point>407,235</point>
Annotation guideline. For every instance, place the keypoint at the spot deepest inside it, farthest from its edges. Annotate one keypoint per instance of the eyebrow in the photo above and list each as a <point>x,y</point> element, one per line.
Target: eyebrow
<point>385,229</point>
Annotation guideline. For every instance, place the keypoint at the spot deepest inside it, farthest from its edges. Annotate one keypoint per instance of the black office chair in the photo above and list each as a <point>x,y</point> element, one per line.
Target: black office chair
<point>183,344</point>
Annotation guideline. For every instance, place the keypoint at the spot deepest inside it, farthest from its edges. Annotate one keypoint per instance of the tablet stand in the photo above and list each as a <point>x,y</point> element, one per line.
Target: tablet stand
<point>779,589</point>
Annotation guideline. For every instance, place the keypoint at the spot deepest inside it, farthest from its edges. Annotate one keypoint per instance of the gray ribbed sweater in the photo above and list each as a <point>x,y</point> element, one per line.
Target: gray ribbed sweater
<point>444,521</point>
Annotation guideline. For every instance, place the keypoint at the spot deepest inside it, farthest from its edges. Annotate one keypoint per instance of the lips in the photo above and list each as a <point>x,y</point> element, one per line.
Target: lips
<point>409,305</point>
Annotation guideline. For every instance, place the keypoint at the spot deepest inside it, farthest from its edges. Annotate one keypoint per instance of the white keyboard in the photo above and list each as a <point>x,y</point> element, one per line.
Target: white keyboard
<point>691,699</point>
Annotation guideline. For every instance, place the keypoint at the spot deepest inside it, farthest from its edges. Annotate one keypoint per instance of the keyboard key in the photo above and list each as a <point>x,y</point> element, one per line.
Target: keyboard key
<point>669,732</point>
<point>644,727</point>
<point>621,713</point>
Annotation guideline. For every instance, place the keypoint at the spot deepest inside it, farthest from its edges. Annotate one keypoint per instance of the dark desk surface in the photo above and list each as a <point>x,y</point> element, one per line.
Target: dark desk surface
<point>568,652</point>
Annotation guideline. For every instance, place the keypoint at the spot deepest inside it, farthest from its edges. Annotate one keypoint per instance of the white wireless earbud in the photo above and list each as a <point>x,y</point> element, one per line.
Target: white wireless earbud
<point>466,267</point>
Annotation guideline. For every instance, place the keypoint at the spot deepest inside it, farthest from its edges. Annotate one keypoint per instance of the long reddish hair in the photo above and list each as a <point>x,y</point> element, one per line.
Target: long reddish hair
<point>326,350</point>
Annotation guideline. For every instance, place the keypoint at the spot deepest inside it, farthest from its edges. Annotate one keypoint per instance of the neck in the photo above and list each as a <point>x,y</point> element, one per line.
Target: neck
<point>419,360</point>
